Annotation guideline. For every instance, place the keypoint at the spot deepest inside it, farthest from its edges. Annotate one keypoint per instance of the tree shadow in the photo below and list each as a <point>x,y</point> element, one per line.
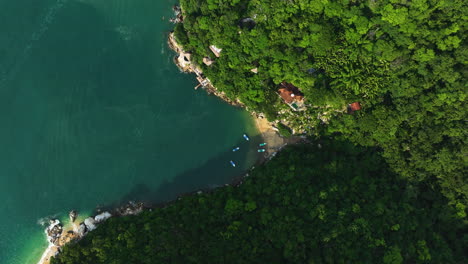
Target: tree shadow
<point>214,173</point>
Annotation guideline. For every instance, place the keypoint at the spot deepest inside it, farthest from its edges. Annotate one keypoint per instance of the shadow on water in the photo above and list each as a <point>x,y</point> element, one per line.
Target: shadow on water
<point>214,173</point>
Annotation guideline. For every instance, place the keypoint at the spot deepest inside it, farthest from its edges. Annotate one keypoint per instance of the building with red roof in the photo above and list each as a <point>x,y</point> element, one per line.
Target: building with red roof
<point>354,107</point>
<point>292,96</point>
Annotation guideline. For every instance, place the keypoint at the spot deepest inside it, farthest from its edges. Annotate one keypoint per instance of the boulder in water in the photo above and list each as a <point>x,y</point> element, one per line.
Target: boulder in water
<point>73,214</point>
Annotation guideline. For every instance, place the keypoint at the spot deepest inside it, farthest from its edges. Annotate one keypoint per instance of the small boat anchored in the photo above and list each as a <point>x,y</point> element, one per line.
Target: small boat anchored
<point>262,144</point>
<point>235,149</point>
<point>246,137</point>
<point>261,150</point>
<point>232,163</point>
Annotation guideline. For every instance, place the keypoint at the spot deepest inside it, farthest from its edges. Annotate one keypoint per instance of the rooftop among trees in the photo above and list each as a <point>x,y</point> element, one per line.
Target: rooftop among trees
<point>404,60</point>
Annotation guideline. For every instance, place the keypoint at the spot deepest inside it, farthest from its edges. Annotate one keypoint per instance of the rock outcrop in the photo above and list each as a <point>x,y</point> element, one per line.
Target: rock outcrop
<point>73,214</point>
<point>54,231</point>
<point>131,208</point>
<point>102,217</point>
<point>179,18</point>
<point>90,223</point>
<point>81,230</point>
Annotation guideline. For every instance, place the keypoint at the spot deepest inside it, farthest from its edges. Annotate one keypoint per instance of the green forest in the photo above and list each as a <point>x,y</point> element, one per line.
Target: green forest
<point>404,61</point>
<point>334,204</point>
<point>389,184</point>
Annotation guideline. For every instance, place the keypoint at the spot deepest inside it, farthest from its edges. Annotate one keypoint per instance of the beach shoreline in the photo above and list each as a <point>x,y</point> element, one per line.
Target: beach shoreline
<point>68,233</point>
<point>73,230</point>
<point>48,254</point>
<point>267,129</point>
<point>59,235</point>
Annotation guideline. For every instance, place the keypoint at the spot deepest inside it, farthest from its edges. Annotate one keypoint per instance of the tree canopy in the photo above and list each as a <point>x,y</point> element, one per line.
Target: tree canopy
<point>334,204</point>
<point>404,61</point>
<point>395,192</point>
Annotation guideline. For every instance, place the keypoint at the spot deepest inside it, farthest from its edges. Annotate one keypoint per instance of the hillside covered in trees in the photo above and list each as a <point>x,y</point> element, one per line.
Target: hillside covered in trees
<point>404,61</point>
<point>389,187</point>
<point>334,204</point>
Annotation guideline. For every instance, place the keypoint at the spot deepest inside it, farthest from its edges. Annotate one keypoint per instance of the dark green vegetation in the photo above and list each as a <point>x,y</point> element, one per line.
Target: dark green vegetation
<point>337,204</point>
<point>405,61</point>
<point>284,130</point>
<point>402,199</point>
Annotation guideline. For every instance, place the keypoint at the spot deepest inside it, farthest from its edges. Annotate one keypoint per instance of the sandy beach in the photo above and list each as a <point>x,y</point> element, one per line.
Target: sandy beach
<point>271,136</point>
<point>69,233</point>
<point>267,131</point>
<point>48,253</point>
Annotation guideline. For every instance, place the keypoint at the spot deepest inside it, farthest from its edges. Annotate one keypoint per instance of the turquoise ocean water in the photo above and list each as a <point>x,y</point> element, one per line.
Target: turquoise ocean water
<point>94,113</point>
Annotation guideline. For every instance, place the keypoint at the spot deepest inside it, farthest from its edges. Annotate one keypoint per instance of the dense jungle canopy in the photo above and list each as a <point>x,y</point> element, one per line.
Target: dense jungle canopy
<point>404,61</point>
<point>391,185</point>
<point>334,204</point>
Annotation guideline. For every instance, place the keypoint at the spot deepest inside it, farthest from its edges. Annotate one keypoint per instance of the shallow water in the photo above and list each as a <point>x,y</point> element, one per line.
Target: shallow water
<point>94,113</point>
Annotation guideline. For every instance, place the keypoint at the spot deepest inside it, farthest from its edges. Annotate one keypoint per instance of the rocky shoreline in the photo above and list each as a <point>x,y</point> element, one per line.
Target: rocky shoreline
<point>58,235</point>
<point>267,129</point>
<point>185,64</point>
<point>188,66</point>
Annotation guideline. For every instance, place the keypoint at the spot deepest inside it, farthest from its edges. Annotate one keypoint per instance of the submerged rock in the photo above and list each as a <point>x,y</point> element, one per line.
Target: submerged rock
<point>179,18</point>
<point>177,9</point>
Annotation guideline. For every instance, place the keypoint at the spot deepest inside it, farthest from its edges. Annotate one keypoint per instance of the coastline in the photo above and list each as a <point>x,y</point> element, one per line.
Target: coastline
<point>56,236</point>
<point>267,129</point>
<point>59,235</point>
<point>48,254</point>
<point>54,249</point>
<point>189,67</point>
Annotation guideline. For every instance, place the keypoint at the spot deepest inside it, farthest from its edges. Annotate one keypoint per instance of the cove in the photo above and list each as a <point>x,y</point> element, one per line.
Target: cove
<point>95,113</point>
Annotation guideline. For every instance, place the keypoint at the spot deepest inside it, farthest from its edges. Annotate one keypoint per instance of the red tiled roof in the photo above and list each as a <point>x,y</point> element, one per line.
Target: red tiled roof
<point>354,107</point>
<point>286,95</point>
<point>290,93</point>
